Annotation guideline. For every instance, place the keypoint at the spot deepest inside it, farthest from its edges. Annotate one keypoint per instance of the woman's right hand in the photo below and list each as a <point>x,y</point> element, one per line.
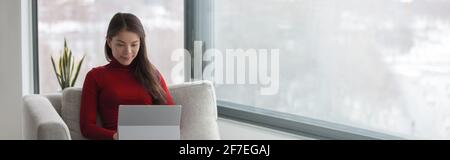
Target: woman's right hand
<point>115,136</point>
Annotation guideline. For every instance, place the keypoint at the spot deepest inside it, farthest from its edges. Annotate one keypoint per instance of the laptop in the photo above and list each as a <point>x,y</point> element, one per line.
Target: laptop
<point>149,122</point>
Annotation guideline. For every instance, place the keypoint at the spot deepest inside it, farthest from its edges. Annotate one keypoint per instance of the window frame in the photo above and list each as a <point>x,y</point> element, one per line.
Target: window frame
<point>35,45</point>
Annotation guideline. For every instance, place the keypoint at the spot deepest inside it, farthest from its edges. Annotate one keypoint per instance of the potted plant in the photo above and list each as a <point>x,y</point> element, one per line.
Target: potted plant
<point>66,72</point>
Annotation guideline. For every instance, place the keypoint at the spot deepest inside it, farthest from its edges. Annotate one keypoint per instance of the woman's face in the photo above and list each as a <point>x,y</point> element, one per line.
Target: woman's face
<point>124,46</point>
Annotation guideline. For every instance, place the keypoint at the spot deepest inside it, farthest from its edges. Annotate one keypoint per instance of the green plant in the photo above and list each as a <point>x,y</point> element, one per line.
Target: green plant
<point>66,66</point>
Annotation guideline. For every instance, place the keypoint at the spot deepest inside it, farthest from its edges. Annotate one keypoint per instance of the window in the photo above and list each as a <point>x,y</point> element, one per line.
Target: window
<point>84,23</point>
<point>381,65</point>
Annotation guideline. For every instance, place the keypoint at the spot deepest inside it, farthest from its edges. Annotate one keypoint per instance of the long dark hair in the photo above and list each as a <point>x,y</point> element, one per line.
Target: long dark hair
<point>142,69</point>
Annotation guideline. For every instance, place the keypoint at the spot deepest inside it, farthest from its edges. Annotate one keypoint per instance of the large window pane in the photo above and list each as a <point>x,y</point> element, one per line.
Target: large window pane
<point>382,65</point>
<point>84,23</point>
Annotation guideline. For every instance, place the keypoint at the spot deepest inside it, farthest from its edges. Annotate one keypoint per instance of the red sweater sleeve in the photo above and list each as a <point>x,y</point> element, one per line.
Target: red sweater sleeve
<point>88,110</point>
<point>164,86</point>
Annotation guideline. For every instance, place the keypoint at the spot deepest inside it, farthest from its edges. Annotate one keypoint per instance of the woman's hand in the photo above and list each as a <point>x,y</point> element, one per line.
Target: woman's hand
<point>115,136</point>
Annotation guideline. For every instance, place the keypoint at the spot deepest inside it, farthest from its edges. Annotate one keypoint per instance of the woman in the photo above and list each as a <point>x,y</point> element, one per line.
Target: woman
<point>129,78</point>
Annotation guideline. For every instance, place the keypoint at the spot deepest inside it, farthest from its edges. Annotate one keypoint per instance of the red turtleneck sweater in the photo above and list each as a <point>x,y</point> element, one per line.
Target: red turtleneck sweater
<point>104,89</point>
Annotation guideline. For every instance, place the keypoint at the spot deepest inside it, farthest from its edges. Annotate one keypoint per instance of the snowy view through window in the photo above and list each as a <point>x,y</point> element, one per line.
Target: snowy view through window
<point>382,65</point>
<point>84,24</point>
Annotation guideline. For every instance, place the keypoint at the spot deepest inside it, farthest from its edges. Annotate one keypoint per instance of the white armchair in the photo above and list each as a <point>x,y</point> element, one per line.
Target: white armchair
<point>56,116</point>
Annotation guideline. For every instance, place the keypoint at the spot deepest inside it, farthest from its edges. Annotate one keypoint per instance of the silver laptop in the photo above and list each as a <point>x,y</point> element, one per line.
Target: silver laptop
<point>149,122</point>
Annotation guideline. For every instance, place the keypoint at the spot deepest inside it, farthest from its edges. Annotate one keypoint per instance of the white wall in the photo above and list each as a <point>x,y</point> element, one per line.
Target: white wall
<point>235,130</point>
<point>10,70</point>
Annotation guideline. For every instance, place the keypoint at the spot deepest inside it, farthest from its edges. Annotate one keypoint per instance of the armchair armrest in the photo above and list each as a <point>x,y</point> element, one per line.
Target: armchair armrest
<point>41,121</point>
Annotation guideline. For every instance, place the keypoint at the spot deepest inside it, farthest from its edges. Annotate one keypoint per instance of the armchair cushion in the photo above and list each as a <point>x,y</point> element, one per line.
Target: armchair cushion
<point>199,110</point>
<point>70,111</point>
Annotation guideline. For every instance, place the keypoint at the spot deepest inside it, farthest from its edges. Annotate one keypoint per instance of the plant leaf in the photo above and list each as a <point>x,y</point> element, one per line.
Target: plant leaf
<point>56,72</point>
<point>61,72</point>
<point>71,71</point>
<point>78,71</point>
<point>65,67</point>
